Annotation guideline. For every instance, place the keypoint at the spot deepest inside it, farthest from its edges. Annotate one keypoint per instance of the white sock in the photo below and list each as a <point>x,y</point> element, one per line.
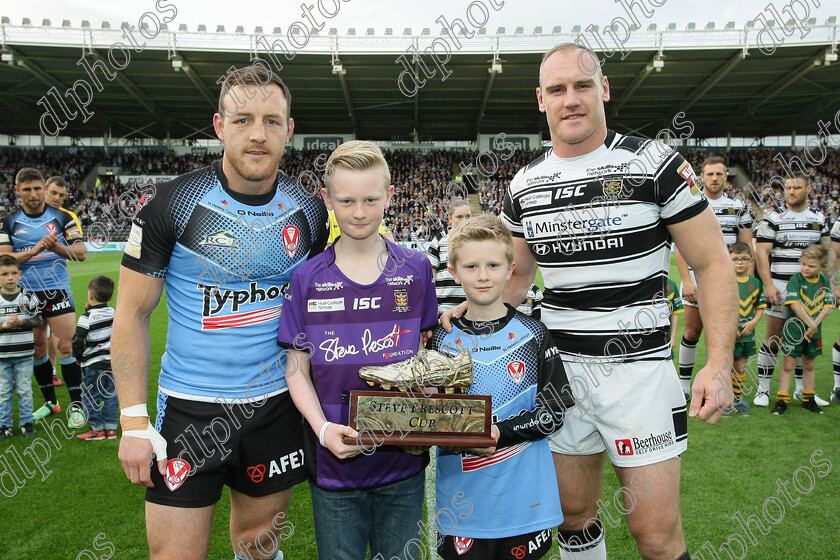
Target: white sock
<point>766,363</point>
<point>835,357</point>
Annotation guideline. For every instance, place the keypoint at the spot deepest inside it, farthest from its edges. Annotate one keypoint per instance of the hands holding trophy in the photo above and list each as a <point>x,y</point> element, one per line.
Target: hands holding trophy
<point>412,416</point>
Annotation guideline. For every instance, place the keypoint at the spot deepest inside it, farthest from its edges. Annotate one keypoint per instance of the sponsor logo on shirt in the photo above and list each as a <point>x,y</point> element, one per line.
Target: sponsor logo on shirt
<point>399,280</point>
<point>687,173</point>
<point>328,286</point>
<point>572,246</point>
<point>607,169</point>
<point>543,179</point>
<point>223,239</point>
<point>535,199</point>
<point>215,300</point>
<point>323,305</point>
<point>335,350</point>
<point>135,241</point>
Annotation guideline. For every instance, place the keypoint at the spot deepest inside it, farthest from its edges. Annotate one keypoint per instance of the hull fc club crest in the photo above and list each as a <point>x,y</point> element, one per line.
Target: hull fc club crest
<point>291,240</point>
<point>516,371</point>
<point>612,188</point>
<point>177,471</point>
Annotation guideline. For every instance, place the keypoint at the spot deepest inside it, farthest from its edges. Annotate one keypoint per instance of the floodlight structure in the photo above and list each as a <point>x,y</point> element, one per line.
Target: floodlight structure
<point>495,65</point>
<point>656,63</point>
<point>337,67</point>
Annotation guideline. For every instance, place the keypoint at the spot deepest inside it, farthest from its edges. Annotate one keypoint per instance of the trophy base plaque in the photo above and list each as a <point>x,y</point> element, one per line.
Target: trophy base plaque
<point>406,418</point>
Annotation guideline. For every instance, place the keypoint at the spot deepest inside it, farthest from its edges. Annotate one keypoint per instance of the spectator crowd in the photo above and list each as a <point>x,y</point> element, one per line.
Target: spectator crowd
<point>424,181</point>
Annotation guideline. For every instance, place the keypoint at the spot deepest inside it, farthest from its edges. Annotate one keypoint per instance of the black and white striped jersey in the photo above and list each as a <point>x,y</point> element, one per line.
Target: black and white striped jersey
<point>532,306</point>
<point>790,233</point>
<point>733,215</point>
<point>596,225</point>
<point>19,342</point>
<point>835,232</point>
<point>449,293</point>
<point>92,339</point>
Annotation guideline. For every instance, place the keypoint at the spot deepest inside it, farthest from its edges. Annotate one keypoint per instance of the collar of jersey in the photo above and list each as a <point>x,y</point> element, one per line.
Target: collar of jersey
<point>247,199</point>
<point>485,328</point>
<point>329,252</point>
<point>39,214</point>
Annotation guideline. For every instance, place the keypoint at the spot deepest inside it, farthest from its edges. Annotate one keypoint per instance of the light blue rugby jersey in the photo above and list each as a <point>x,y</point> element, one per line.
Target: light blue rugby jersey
<point>47,270</point>
<point>514,491</point>
<point>226,259</point>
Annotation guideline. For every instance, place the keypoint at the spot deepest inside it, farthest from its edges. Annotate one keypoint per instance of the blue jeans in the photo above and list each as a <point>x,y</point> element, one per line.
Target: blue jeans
<point>99,394</point>
<point>15,376</point>
<point>385,516</point>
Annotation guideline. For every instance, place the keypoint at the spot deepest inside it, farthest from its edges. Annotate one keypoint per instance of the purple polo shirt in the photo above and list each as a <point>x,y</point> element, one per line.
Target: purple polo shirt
<point>344,326</point>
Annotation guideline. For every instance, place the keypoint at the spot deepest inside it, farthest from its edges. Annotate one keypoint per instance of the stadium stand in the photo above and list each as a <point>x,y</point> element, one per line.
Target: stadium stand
<point>421,179</point>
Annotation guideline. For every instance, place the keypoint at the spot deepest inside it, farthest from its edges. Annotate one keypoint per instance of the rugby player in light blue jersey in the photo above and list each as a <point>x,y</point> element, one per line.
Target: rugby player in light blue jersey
<point>42,238</point>
<point>224,241</point>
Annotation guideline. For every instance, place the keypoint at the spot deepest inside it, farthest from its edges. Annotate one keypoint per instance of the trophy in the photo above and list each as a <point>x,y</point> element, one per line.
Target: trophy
<point>412,416</point>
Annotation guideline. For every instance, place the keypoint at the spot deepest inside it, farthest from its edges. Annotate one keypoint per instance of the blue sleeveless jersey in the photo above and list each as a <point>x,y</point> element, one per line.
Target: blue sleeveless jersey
<point>46,271</point>
<point>226,259</point>
<point>514,491</point>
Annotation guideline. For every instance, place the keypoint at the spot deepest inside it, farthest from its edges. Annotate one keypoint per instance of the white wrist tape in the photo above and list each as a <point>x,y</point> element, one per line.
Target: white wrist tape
<point>324,427</point>
<point>135,410</point>
<point>157,440</point>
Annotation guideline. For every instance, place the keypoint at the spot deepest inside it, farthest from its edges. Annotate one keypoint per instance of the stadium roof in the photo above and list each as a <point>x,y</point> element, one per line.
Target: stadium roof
<point>348,83</point>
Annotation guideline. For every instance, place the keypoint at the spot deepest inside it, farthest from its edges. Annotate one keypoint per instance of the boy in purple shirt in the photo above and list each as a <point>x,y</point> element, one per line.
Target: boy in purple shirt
<point>364,301</point>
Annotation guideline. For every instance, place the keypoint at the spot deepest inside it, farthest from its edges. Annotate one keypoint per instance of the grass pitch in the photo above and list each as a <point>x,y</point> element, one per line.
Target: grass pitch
<point>80,504</point>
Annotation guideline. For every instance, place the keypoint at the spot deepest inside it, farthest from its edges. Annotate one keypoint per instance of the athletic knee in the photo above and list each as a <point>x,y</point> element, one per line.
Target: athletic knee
<point>65,348</point>
<point>259,542</point>
<point>656,538</point>
<point>577,515</point>
<point>692,332</point>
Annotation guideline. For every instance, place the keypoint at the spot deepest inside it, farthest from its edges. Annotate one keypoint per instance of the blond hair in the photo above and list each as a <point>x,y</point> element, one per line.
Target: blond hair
<point>357,155</point>
<point>454,204</point>
<point>817,252</point>
<point>485,227</point>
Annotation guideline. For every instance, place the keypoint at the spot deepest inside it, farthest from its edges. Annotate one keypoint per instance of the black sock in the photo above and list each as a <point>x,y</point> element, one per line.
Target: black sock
<point>684,556</point>
<point>43,375</point>
<point>584,539</point>
<point>72,374</point>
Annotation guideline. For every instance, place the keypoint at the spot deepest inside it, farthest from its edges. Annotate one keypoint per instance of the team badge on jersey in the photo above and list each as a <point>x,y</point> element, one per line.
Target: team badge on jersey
<point>687,173</point>
<point>291,240</point>
<point>51,228</point>
<point>177,471</point>
<point>612,188</point>
<point>401,300</point>
<point>516,371</point>
<point>462,545</point>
